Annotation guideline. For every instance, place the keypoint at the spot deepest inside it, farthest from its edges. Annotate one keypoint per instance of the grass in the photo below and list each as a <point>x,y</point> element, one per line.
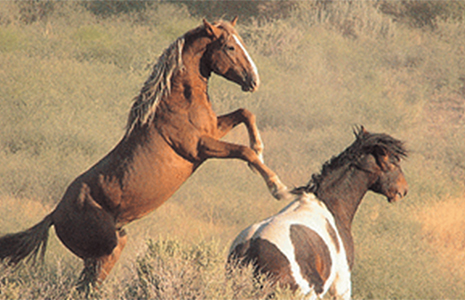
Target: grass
<point>67,81</point>
<point>442,225</point>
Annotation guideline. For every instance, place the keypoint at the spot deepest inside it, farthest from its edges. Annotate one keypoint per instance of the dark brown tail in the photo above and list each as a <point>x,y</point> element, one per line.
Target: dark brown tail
<point>18,246</point>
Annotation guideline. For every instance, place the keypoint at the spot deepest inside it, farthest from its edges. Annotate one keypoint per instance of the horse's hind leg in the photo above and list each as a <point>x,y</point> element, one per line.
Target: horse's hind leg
<point>97,269</point>
<point>108,262</point>
<point>89,231</point>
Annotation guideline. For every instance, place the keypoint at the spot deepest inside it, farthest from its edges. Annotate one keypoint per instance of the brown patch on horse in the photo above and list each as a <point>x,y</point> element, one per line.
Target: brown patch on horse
<point>312,255</point>
<point>239,254</point>
<point>267,259</point>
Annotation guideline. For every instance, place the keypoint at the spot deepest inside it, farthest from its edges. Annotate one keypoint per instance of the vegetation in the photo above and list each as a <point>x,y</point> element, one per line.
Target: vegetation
<point>69,72</point>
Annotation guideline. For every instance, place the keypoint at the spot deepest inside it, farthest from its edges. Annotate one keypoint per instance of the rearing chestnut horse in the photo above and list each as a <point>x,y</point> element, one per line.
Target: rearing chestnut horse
<point>171,131</point>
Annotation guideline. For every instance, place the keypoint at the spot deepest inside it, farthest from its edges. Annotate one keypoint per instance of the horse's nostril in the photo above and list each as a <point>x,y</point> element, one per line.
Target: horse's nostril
<point>254,82</point>
<point>401,194</point>
<point>250,83</point>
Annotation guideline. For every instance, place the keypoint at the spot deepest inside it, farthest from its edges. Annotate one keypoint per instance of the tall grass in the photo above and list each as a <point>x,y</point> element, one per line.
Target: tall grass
<point>66,83</point>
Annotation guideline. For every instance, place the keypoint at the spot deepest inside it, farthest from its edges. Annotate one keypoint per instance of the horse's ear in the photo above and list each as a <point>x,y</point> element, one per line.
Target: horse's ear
<point>360,131</point>
<point>234,21</point>
<point>211,30</point>
<point>363,130</point>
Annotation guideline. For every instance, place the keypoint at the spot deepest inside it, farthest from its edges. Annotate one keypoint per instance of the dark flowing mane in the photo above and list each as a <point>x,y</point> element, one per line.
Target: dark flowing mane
<point>364,143</point>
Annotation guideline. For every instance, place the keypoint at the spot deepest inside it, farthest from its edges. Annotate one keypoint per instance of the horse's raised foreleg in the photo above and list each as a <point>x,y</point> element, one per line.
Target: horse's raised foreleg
<point>211,148</point>
<point>231,120</point>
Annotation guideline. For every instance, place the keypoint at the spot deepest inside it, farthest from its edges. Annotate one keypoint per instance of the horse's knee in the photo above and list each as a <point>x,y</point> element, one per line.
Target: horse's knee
<point>247,114</point>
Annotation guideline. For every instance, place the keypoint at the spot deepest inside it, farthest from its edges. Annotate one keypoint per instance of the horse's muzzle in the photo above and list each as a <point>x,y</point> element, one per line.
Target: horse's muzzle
<point>251,84</point>
<point>398,196</point>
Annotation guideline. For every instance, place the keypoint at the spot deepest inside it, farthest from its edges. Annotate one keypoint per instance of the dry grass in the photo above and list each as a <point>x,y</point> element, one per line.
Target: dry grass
<point>443,224</point>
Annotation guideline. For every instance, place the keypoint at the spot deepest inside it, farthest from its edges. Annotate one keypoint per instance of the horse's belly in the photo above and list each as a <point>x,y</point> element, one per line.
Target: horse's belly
<point>151,182</point>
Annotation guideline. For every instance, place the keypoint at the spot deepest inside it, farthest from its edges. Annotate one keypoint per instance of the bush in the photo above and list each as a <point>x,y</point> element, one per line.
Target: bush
<point>423,13</point>
<point>170,269</point>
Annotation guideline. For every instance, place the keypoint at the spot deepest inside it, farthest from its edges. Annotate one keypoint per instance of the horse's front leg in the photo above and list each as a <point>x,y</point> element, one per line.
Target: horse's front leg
<point>231,120</point>
<point>209,147</point>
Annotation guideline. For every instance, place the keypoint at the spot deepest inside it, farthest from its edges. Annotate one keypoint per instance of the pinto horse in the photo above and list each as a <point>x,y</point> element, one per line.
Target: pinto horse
<point>308,245</point>
<point>171,131</point>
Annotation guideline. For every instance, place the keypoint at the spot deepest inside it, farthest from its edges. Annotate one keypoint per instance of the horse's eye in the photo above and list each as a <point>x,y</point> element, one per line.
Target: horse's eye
<point>230,48</point>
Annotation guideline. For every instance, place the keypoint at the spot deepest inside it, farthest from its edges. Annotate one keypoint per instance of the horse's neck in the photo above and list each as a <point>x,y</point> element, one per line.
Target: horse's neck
<point>191,83</point>
<point>343,193</point>
<point>342,196</point>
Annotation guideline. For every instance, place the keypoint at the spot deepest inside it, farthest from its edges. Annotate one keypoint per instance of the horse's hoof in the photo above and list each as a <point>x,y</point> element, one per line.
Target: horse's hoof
<point>279,190</point>
<point>86,288</point>
<point>282,194</point>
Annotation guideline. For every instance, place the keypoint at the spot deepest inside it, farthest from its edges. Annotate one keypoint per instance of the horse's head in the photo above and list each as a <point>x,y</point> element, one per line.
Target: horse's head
<point>383,158</point>
<point>227,56</point>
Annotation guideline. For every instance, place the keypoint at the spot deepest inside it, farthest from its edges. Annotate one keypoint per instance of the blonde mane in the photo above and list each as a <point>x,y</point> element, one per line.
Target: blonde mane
<point>156,87</point>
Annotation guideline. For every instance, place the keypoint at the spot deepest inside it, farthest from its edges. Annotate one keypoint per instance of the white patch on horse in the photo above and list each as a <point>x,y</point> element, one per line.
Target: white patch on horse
<point>254,67</point>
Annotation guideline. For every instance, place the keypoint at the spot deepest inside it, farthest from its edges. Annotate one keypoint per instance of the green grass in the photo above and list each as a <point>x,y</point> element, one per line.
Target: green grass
<point>66,85</point>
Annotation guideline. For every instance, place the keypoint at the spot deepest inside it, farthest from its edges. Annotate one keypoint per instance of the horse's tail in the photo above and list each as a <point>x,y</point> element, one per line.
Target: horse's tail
<point>29,243</point>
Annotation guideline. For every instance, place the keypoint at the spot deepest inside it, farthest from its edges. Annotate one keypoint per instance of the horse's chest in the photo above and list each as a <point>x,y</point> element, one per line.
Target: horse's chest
<point>195,119</point>
<point>203,119</point>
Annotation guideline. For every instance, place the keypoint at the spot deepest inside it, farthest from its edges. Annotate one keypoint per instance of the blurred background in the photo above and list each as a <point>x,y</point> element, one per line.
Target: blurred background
<point>70,69</point>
